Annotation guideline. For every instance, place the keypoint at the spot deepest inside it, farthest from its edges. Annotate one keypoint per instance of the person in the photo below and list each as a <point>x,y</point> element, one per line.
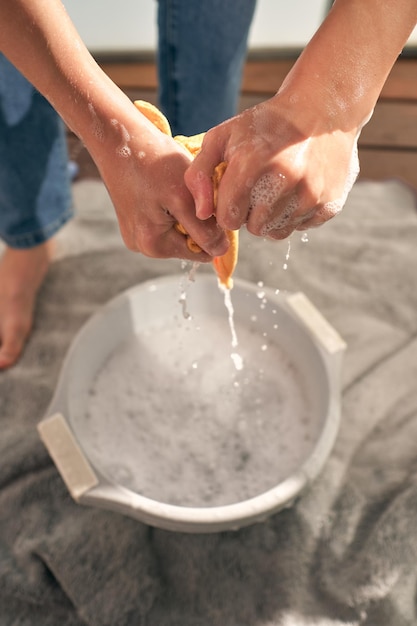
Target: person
<point>200,61</point>
<point>291,160</point>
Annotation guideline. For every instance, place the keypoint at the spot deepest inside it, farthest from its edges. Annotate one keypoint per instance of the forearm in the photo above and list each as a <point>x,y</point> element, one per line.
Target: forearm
<point>40,39</point>
<point>346,64</point>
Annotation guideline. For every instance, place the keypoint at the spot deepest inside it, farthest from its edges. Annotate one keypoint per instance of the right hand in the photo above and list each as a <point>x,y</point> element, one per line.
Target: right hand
<point>287,169</point>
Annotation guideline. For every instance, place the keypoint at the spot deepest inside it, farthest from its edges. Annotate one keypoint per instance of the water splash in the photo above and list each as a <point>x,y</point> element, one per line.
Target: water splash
<point>236,358</point>
<point>183,302</point>
<point>190,277</point>
<point>287,256</point>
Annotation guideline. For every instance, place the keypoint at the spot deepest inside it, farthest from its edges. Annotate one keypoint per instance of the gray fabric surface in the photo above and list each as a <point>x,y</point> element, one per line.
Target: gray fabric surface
<point>344,554</point>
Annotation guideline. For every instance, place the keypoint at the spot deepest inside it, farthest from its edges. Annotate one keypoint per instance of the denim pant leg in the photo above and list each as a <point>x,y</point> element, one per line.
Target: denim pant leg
<point>202,47</point>
<point>35,190</point>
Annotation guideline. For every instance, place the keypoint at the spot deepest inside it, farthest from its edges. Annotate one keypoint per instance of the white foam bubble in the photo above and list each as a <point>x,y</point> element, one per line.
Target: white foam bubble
<point>223,433</point>
<point>335,206</point>
<point>281,221</point>
<point>123,149</point>
<point>267,190</point>
<point>98,129</point>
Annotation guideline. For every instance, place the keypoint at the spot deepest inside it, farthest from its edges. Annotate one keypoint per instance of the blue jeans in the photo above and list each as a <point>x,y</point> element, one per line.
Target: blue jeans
<point>201,52</point>
<point>35,192</point>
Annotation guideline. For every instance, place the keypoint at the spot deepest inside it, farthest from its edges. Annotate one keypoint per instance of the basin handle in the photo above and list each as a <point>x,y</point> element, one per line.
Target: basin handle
<point>74,468</point>
<point>328,337</point>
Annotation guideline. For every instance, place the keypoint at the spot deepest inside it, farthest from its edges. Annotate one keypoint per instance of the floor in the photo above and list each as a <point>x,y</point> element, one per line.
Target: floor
<point>388,144</point>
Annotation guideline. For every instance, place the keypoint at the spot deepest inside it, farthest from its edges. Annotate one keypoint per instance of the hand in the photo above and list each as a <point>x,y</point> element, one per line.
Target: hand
<point>144,173</point>
<point>289,168</point>
<point>142,169</point>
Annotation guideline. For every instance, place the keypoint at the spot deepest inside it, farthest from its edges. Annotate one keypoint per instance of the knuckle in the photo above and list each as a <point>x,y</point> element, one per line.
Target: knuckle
<point>147,243</point>
<point>283,233</point>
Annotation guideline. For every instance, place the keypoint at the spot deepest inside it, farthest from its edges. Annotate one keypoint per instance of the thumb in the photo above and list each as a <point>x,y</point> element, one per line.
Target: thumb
<point>198,177</point>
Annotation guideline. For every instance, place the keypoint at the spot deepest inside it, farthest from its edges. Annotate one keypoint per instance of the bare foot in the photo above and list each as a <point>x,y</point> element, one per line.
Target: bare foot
<point>21,274</point>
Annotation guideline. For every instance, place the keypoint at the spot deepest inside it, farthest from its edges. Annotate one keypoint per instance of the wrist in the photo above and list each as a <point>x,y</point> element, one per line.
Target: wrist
<point>322,105</point>
<point>340,74</point>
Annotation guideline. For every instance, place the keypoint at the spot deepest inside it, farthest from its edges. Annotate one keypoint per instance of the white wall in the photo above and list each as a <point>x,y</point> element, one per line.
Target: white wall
<point>115,26</point>
<point>129,25</point>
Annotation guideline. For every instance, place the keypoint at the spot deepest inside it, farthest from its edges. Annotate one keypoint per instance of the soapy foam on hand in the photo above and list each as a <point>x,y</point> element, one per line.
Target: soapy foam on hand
<point>123,150</point>
<point>267,190</point>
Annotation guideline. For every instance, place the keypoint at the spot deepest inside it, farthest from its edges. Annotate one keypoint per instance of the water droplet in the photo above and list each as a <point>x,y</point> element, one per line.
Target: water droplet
<point>229,306</point>
<point>193,271</point>
<point>287,256</point>
<point>183,301</point>
<point>237,360</point>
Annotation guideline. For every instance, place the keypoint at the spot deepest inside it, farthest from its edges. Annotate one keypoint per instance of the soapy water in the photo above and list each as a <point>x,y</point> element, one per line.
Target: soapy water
<point>98,127</point>
<point>287,256</point>
<point>170,417</point>
<point>230,313</point>
<point>267,190</point>
<point>190,277</point>
<point>123,149</point>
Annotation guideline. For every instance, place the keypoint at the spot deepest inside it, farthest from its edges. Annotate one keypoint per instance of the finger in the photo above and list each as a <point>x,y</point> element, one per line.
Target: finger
<point>178,234</point>
<point>321,215</point>
<point>207,234</point>
<point>170,243</point>
<point>198,176</point>
<point>281,233</point>
<point>233,199</point>
<point>272,213</point>
<point>260,205</point>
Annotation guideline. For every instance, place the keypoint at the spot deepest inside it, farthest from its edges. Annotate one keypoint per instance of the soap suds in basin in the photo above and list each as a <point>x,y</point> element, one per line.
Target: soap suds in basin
<point>170,417</point>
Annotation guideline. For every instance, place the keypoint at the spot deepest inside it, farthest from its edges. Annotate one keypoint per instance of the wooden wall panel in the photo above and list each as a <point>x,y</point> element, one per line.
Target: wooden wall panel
<point>388,143</point>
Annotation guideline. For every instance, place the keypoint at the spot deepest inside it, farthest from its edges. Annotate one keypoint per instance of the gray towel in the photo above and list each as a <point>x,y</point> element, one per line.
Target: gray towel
<point>344,554</point>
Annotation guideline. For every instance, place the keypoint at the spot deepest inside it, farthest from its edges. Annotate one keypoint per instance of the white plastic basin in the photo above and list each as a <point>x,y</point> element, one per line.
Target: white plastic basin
<point>153,418</point>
